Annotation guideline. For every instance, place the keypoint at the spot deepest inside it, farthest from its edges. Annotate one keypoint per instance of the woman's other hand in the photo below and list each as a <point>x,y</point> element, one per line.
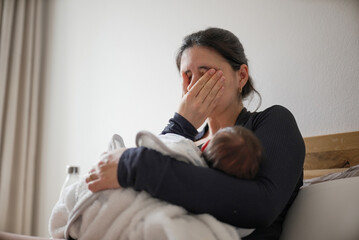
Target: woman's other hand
<point>199,98</point>
<point>104,175</point>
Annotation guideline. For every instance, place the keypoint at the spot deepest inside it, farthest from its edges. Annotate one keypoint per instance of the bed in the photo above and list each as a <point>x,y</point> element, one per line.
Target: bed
<point>326,208</point>
<point>330,154</point>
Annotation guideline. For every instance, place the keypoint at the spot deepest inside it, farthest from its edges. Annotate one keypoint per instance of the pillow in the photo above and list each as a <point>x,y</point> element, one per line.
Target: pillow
<point>351,172</point>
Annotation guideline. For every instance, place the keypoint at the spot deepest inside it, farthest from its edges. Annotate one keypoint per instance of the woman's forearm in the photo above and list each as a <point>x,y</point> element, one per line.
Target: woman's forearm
<point>198,190</point>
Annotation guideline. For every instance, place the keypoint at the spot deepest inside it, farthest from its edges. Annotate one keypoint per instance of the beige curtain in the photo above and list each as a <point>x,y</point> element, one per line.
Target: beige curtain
<point>20,55</point>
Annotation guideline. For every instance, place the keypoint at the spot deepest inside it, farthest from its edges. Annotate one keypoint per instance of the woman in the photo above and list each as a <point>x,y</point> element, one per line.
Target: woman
<point>215,77</point>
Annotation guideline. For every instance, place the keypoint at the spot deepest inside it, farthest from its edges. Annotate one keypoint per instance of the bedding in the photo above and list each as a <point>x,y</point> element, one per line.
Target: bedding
<point>127,214</point>
<point>350,172</point>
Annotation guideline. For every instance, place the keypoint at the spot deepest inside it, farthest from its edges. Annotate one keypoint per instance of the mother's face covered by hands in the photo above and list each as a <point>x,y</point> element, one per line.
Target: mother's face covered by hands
<point>210,85</point>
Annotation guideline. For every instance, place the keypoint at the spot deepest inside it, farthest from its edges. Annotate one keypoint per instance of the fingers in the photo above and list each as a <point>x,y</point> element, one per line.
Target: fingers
<point>214,80</point>
<point>91,177</point>
<point>104,175</point>
<point>96,185</point>
<point>101,182</point>
<point>211,102</point>
<point>201,98</point>
<point>95,182</point>
<point>214,93</point>
<point>211,91</point>
<point>185,83</point>
<point>94,172</point>
<point>196,87</point>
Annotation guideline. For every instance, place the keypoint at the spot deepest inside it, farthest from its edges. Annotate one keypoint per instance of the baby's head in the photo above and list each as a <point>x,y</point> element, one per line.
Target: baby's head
<point>235,151</point>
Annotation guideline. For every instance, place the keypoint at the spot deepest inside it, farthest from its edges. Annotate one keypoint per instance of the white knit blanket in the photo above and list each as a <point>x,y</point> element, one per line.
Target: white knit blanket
<point>128,214</point>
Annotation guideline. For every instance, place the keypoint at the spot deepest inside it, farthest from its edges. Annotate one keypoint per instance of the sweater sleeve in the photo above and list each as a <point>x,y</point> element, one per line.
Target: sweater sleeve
<point>181,126</point>
<point>243,203</point>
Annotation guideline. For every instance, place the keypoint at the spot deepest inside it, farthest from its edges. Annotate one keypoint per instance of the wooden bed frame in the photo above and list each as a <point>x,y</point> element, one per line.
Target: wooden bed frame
<point>330,153</point>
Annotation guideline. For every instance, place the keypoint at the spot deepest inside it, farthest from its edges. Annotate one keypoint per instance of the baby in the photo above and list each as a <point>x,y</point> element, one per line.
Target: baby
<point>235,151</point>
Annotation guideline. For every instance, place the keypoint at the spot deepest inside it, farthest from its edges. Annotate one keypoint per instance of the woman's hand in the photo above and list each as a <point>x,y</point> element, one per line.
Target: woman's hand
<point>200,98</point>
<point>104,175</point>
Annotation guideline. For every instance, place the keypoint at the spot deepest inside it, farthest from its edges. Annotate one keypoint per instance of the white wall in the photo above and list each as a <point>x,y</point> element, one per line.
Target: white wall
<point>110,69</point>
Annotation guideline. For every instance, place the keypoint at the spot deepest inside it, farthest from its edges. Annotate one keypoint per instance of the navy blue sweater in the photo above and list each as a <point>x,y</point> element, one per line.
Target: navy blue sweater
<point>260,203</point>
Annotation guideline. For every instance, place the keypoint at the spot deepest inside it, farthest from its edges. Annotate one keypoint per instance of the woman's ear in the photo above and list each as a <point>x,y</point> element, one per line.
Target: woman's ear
<point>242,75</point>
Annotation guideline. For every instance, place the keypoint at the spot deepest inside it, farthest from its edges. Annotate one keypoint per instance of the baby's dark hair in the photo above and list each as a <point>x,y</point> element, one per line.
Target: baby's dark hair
<point>235,151</point>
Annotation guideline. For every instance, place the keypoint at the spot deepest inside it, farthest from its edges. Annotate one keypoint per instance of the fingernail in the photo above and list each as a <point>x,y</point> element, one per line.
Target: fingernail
<point>219,73</point>
<point>212,71</point>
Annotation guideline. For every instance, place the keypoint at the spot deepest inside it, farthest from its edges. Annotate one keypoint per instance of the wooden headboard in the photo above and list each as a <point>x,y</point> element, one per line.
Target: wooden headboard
<point>330,153</point>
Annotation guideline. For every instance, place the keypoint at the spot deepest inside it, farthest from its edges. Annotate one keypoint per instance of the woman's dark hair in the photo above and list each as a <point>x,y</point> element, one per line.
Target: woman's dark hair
<point>226,44</point>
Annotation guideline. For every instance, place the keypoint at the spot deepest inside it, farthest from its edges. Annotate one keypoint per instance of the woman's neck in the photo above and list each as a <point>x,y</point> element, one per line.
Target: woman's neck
<point>225,119</point>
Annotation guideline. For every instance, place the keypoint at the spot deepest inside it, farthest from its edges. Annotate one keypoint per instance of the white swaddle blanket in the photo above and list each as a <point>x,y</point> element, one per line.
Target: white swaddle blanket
<point>128,214</point>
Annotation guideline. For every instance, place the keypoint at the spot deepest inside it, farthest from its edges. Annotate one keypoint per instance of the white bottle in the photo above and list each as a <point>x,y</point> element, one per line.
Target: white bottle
<point>72,177</point>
